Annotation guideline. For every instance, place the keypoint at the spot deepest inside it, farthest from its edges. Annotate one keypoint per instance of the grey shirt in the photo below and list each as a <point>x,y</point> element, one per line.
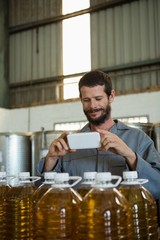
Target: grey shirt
<point>85,160</point>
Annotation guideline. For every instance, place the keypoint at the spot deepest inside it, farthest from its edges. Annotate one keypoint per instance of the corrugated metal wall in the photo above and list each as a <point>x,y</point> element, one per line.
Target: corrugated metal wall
<point>124,42</point>
<point>35,52</point>
<point>127,36</point>
<point>27,11</point>
<point>4,83</point>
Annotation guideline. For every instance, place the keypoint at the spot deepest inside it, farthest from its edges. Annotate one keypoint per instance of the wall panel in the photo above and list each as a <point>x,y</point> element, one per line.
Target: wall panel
<point>36,54</point>
<point>126,35</point>
<point>135,29</point>
<point>110,38</point>
<point>27,11</point>
<point>123,38</point>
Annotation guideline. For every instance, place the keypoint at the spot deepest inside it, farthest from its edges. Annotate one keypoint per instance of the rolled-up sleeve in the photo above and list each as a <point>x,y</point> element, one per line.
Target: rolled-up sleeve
<point>150,169</point>
<point>39,167</point>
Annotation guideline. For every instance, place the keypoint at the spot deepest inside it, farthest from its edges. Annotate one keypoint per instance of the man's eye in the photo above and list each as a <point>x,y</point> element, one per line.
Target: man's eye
<point>85,100</point>
<point>98,99</point>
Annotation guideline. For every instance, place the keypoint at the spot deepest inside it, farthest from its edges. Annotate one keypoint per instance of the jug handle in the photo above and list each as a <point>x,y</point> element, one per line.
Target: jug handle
<point>77,178</point>
<point>119,179</point>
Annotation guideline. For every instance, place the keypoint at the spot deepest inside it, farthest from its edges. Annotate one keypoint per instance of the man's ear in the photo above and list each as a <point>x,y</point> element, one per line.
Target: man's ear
<point>112,96</point>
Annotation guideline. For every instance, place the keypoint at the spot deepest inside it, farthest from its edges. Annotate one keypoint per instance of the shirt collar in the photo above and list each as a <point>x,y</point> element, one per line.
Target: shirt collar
<point>117,126</point>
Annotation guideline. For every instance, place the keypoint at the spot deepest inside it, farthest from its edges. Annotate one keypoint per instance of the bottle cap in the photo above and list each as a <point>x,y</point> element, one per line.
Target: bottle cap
<point>61,177</point>
<point>2,174</point>
<point>49,175</point>
<point>89,175</point>
<point>130,174</point>
<point>24,174</point>
<point>103,176</point>
<point>131,178</point>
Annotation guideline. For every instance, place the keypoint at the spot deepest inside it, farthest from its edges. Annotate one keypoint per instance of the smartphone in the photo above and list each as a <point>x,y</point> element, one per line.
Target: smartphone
<point>83,140</point>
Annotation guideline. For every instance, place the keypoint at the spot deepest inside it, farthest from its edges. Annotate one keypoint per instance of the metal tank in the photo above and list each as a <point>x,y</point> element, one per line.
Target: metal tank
<point>15,153</point>
<point>40,142</point>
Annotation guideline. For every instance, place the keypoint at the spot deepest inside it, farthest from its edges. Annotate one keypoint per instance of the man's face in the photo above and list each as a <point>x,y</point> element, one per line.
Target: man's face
<point>95,104</point>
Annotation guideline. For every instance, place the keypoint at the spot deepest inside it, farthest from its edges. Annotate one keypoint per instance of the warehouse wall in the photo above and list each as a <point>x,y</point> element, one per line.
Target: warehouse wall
<point>125,38</point>
<point>124,42</point>
<point>32,119</point>
<point>4,83</point>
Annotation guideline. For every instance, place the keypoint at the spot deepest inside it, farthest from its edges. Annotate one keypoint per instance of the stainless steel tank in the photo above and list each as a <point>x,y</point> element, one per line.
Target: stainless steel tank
<point>40,142</point>
<point>15,152</point>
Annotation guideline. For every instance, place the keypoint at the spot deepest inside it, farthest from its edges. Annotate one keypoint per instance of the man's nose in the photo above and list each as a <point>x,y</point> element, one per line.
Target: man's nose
<point>93,103</point>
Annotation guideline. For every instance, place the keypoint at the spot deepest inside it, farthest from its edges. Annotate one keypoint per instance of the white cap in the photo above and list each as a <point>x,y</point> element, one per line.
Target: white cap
<point>103,176</point>
<point>49,175</point>
<point>130,174</point>
<point>24,174</point>
<point>2,174</point>
<point>89,175</point>
<point>61,177</point>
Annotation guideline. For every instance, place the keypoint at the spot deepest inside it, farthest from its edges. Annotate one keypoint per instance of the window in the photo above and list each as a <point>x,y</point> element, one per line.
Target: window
<point>140,119</point>
<point>71,88</point>
<point>76,45</point>
<point>72,126</point>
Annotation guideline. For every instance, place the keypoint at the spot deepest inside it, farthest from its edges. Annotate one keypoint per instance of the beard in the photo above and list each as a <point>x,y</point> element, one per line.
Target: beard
<point>104,116</point>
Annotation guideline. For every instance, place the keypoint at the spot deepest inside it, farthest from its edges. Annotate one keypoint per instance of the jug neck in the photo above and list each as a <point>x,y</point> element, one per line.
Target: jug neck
<point>106,180</point>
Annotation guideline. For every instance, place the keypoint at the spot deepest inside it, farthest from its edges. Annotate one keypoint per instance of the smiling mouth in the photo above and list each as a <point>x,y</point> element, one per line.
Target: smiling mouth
<point>94,110</point>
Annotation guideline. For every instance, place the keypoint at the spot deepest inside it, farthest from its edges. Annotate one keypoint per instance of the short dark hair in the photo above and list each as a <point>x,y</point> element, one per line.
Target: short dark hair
<point>94,78</point>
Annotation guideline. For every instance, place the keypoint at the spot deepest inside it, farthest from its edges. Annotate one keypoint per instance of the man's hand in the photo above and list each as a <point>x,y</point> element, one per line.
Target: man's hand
<point>58,147</point>
<point>111,142</point>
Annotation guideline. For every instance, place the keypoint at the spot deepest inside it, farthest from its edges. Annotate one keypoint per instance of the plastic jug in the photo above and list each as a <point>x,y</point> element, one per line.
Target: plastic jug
<point>19,208</point>
<point>48,181</point>
<point>86,185</point>
<point>104,212</point>
<point>143,205</point>
<point>56,211</point>
<point>4,188</point>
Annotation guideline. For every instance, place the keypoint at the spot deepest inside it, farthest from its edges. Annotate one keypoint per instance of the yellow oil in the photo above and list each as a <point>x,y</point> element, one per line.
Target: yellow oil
<point>56,215</point>
<point>48,182</point>
<point>40,191</point>
<point>19,212</point>
<point>83,189</point>
<point>144,211</point>
<point>86,184</point>
<point>4,188</point>
<point>106,215</point>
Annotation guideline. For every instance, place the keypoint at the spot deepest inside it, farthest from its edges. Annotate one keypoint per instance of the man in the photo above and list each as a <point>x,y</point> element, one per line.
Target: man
<point>122,147</point>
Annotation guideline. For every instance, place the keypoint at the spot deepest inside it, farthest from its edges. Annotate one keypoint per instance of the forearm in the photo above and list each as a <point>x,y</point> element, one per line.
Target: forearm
<point>131,160</point>
<point>49,163</point>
